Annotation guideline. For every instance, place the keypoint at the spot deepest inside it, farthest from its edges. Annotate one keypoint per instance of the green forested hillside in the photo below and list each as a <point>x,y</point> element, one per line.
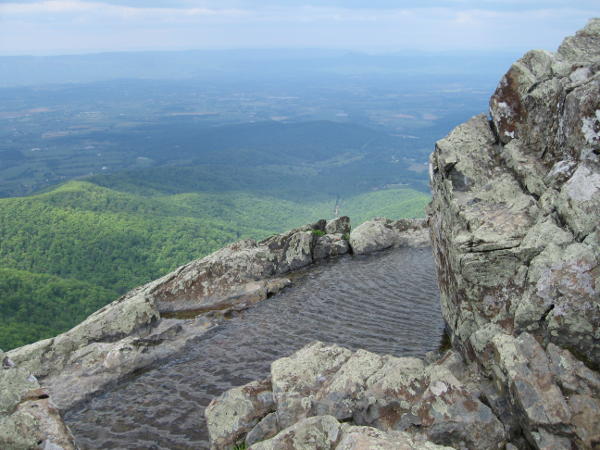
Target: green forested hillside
<point>66,252</point>
<point>34,306</point>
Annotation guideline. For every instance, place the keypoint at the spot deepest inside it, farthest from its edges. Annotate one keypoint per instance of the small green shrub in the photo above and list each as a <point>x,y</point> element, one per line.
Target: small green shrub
<point>318,233</point>
<point>241,446</point>
<point>346,236</point>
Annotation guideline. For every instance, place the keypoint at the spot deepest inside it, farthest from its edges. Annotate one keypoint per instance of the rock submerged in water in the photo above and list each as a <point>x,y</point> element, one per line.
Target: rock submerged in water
<point>515,230</point>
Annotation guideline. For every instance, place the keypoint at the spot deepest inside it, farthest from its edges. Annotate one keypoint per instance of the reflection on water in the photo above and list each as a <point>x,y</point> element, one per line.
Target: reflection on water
<point>385,303</point>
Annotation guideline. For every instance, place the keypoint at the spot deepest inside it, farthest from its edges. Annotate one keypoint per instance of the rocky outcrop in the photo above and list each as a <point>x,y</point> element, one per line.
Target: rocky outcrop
<point>145,325</point>
<point>429,404</point>
<point>515,229</point>
<point>380,233</point>
<point>515,232</point>
<point>28,418</point>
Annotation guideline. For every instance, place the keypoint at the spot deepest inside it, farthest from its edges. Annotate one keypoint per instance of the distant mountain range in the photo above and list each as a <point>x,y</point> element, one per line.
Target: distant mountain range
<point>229,64</point>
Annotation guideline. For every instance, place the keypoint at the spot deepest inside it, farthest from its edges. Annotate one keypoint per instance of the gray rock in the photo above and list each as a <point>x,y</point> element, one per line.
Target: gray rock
<point>232,415</point>
<point>359,438</point>
<point>544,440</point>
<point>15,383</point>
<point>572,375</point>
<point>389,393</point>
<point>585,419</point>
<point>297,377</point>
<point>448,412</point>
<point>525,368</point>
<point>318,433</point>
<point>27,416</point>
<point>18,431</point>
<point>379,234</point>
<point>514,226</point>
<point>265,429</point>
<point>339,394</point>
<point>341,225</point>
<point>330,245</point>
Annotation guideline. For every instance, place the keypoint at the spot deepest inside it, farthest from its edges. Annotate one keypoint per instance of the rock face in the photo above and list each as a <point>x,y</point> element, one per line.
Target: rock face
<point>515,230</point>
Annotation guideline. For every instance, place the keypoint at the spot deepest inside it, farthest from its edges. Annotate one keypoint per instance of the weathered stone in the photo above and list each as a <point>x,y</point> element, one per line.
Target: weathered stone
<point>27,416</point>
<point>362,438</point>
<point>584,47</point>
<point>330,245</point>
<point>51,431</point>
<point>448,413</point>
<point>586,417</point>
<point>314,433</point>
<point>297,377</point>
<point>341,225</point>
<point>15,383</point>
<point>115,321</point>
<point>339,394</point>
<point>544,440</point>
<point>232,415</point>
<point>571,374</point>
<point>18,431</point>
<point>390,393</point>
<point>379,234</point>
<point>525,367</point>
<point>514,226</point>
<point>265,429</point>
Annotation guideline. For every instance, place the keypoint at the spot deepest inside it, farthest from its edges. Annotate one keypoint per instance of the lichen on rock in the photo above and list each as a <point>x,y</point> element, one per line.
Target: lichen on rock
<point>517,245</point>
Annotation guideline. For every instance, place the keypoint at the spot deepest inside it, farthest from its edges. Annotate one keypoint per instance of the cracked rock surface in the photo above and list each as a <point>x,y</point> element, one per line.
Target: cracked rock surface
<point>515,230</point>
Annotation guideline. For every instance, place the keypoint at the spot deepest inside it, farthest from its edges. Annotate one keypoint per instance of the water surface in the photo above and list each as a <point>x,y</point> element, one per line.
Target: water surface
<point>385,303</point>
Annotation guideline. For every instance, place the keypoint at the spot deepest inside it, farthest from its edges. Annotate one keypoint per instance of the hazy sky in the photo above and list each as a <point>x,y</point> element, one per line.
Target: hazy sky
<point>76,26</point>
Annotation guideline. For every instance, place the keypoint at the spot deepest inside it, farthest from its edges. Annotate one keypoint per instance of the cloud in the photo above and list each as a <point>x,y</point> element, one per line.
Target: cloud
<point>52,26</point>
<point>99,9</point>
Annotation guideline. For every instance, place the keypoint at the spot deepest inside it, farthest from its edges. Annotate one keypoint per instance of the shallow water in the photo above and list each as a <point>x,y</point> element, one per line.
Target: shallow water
<point>385,303</point>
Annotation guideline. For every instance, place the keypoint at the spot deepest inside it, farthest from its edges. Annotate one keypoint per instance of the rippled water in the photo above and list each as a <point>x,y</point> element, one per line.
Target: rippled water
<point>385,303</point>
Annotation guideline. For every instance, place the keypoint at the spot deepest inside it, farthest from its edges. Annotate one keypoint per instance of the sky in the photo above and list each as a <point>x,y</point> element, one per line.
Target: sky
<point>87,26</point>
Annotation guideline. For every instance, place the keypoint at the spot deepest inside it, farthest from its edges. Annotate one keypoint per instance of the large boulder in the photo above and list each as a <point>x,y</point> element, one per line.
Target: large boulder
<point>516,237</point>
<point>380,233</point>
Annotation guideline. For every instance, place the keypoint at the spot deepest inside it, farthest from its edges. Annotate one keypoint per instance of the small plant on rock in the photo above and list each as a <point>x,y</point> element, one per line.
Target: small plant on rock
<point>318,232</point>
